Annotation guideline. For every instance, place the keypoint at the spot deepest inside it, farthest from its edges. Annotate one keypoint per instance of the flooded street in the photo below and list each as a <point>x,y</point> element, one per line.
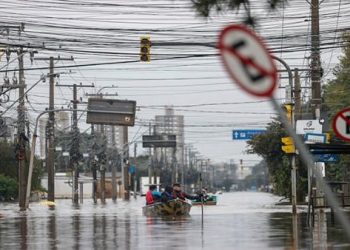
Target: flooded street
<point>242,220</point>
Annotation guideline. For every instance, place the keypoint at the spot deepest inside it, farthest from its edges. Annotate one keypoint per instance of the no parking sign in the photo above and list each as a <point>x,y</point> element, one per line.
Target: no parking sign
<point>247,60</point>
<point>341,124</point>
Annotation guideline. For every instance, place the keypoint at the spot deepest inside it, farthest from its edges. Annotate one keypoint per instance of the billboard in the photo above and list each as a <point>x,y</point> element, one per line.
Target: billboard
<point>111,112</point>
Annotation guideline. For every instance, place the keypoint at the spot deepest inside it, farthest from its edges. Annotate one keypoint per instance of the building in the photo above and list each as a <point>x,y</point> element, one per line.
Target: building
<point>42,136</point>
<point>169,123</point>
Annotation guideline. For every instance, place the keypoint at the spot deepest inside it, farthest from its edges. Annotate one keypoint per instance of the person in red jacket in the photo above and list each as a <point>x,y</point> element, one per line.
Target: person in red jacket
<point>152,195</point>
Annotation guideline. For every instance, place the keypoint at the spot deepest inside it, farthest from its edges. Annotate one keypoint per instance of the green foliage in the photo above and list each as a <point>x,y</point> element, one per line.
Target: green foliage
<point>268,146</point>
<point>9,165</point>
<point>205,8</point>
<point>8,188</point>
<point>336,97</point>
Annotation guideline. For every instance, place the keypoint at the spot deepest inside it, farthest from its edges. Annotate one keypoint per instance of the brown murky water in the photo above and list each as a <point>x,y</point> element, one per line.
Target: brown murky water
<point>242,220</point>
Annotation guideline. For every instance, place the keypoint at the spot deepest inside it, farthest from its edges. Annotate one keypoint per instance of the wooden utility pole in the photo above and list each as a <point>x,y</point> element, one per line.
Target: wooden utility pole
<point>94,165</point>
<point>74,152</point>
<point>51,128</point>
<point>315,57</point>
<point>21,134</point>
<point>297,96</point>
<point>51,139</point>
<point>75,145</point>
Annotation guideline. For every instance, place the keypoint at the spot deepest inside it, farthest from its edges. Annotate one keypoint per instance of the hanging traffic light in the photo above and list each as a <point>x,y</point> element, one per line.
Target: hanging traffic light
<point>145,49</point>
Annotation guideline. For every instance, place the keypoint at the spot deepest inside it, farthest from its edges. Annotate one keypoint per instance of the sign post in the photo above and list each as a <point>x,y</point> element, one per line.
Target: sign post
<point>250,65</point>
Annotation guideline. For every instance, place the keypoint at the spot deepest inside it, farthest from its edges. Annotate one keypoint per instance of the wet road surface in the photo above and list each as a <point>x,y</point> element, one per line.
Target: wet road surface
<point>241,220</point>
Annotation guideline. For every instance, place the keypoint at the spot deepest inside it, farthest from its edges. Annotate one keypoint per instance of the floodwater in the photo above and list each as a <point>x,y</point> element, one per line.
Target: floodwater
<point>241,220</point>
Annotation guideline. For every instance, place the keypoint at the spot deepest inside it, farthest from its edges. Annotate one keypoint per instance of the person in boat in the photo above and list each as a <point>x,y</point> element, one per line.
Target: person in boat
<point>152,195</point>
<point>167,195</point>
<point>178,193</point>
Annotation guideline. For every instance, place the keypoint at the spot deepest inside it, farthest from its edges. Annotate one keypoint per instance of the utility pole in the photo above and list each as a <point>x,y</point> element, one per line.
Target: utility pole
<point>51,143</point>
<point>134,173</point>
<point>51,129</point>
<point>21,134</point>
<point>297,95</point>
<point>94,165</point>
<point>21,137</point>
<point>114,165</point>
<point>74,152</point>
<point>75,144</point>
<point>315,57</point>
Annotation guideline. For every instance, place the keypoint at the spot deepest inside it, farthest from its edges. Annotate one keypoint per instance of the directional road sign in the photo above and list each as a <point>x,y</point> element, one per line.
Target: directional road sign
<point>326,158</point>
<point>315,138</point>
<point>247,60</point>
<point>341,124</point>
<point>246,134</point>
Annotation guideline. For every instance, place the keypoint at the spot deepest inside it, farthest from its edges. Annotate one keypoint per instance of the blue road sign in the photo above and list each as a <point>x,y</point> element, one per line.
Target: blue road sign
<point>326,158</point>
<point>246,134</point>
<point>132,169</point>
<point>315,138</point>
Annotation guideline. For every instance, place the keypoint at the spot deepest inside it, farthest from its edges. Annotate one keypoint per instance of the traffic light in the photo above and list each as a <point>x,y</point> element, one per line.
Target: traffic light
<point>288,108</point>
<point>288,146</point>
<point>145,49</point>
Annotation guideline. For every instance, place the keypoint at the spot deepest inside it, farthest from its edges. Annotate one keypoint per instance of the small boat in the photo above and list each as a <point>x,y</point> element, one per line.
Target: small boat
<point>173,208</point>
<point>210,201</point>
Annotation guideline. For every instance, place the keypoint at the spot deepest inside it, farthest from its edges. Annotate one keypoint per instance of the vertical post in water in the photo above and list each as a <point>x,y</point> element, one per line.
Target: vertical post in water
<point>50,157</point>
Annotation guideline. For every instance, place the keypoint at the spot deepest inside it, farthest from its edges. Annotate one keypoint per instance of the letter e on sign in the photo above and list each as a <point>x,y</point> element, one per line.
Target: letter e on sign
<point>247,60</point>
<point>341,124</point>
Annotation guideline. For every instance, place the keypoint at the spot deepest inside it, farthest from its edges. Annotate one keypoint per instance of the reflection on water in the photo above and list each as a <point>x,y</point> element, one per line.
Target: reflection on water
<point>239,221</point>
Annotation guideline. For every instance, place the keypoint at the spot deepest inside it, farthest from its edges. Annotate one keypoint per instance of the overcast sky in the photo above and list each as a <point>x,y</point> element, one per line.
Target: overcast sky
<point>190,77</point>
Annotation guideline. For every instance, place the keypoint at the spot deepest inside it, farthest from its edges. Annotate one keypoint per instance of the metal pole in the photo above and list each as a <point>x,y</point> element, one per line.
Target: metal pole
<point>201,188</point>
<point>293,166</point>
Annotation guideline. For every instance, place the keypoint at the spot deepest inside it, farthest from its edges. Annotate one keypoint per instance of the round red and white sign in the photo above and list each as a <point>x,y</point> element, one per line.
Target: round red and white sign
<point>247,60</point>
<point>341,124</point>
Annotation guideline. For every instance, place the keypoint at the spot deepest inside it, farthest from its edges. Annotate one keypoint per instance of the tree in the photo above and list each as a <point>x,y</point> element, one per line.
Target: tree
<point>268,146</point>
<point>336,96</point>
<point>205,8</point>
<point>9,168</point>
